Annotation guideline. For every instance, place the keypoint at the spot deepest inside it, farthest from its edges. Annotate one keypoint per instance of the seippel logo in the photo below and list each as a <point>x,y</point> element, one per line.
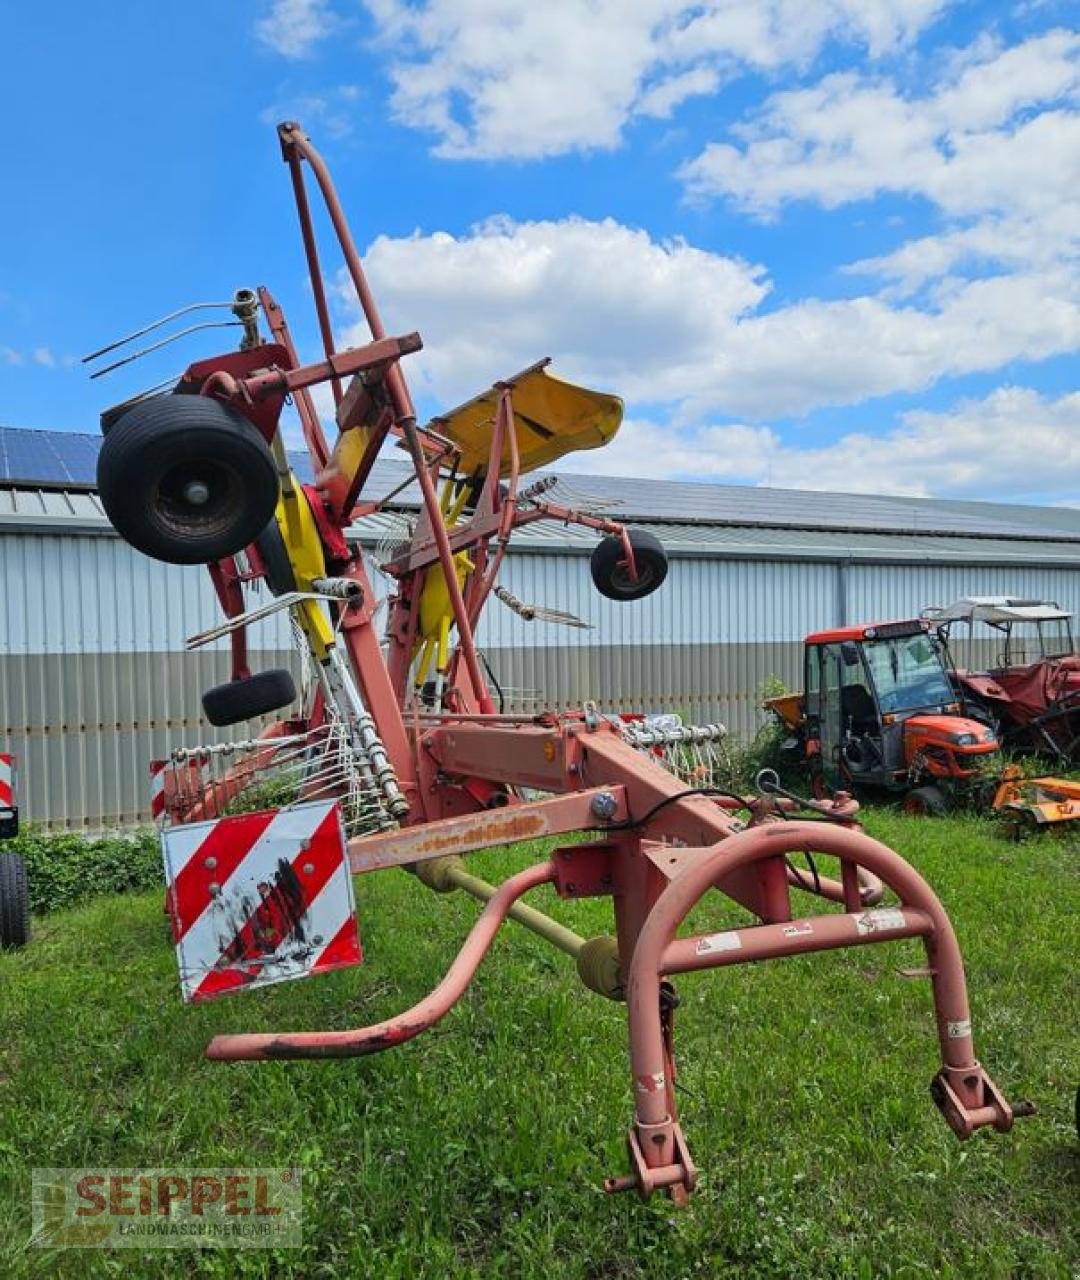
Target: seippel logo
<point>148,1208</point>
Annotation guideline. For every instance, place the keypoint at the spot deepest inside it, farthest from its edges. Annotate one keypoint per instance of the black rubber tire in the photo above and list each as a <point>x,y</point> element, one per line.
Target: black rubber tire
<point>650,559</point>
<point>14,902</point>
<point>157,449</point>
<point>279,575</point>
<point>927,802</point>
<point>248,699</point>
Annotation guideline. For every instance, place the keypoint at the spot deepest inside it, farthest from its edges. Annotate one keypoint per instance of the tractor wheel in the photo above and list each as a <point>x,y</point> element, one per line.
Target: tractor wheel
<point>14,902</point>
<point>280,577</point>
<point>186,479</point>
<point>611,578</point>
<point>927,802</point>
<point>248,699</point>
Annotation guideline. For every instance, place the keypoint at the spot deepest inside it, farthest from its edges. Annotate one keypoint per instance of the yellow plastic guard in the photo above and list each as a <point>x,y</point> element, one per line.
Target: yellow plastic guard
<point>552,417</point>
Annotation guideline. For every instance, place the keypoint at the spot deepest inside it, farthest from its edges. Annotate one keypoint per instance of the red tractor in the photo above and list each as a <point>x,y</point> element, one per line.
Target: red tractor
<point>1029,692</point>
<point>880,713</point>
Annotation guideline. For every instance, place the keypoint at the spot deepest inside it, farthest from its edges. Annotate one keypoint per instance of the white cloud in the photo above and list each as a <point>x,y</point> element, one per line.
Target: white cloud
<point>999,134</point>
<point>497,78</point>
<point>599,295</point>
<point>665,323</point>
<point>995,146</point>
<point>1014,445</point>
<point>293,28</point>
<point>10,356</point>
<point>42,355</point>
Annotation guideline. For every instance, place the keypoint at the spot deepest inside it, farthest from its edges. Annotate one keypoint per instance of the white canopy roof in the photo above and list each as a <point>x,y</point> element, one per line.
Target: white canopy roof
<point>997,610</point>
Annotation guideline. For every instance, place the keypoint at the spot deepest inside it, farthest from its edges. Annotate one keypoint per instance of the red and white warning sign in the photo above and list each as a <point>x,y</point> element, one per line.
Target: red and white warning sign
<point>9,810</point>
<point>7,781</point>
<point>260,898</point>
<point>157,790</point>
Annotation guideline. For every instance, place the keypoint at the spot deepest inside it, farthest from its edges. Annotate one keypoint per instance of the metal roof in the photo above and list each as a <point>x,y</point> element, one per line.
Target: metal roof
<point>37,459</point>
<point>52,509</point>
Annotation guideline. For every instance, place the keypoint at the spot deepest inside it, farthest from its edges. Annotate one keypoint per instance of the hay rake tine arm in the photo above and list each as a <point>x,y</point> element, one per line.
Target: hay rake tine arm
<point>405,1026</point>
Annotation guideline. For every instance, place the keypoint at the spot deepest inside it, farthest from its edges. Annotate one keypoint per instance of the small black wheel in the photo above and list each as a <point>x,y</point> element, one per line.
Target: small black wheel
<point>248,699</point>
<point>186,479</point>
<point>280,577</point>
<point>927,802</point>
<point>14,902</point>
<point>611,578</point>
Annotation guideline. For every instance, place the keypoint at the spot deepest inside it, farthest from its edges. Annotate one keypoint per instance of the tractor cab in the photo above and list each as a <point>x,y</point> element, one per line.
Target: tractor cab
<point>881,712</point>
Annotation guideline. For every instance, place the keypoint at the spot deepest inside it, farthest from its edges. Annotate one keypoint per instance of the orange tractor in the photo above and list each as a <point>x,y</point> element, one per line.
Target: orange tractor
<point>880,713</point>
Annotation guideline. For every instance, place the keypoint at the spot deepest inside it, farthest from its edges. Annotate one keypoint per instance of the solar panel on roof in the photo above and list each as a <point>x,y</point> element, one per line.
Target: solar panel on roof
<point>30,457</point>
<point>47,457</point>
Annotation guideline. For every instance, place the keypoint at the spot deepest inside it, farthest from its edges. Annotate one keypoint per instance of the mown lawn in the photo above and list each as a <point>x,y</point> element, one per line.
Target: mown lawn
<point>479,1149</point>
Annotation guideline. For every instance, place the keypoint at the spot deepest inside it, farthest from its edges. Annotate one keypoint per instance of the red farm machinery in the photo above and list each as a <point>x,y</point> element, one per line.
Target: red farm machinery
<point>1028,689</point>
<point>395,752</point>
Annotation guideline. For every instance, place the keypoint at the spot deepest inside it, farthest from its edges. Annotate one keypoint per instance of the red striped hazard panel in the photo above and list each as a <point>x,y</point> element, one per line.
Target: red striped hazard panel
<point>7,781</point>
<point>157,790</point>
<point>9,810</point>
<point>260,898</point>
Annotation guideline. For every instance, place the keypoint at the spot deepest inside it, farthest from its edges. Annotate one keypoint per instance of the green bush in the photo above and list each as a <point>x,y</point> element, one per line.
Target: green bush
<point>743,761</point>
<point>65,869</point>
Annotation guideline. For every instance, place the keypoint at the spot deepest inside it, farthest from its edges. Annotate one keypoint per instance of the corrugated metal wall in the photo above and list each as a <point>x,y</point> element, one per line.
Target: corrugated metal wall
<point>702,645</point>
<point>719,628</point>
<point>94,681</point>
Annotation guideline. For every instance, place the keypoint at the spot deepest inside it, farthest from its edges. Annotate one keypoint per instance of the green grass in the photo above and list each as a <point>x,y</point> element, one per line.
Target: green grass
<point>479,1149</point>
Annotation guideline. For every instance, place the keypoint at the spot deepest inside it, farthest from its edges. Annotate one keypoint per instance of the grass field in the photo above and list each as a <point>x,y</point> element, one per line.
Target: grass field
<point>479,1149</point>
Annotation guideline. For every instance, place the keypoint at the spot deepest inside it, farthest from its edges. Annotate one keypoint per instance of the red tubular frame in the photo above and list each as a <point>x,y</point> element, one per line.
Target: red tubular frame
<point>396,1030</point>
<point>658,848</point>
<point>973,1101</point>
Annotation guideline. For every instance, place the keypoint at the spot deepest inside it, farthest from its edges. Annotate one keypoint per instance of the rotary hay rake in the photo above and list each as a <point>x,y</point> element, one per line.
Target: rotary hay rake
<point>400,756</point>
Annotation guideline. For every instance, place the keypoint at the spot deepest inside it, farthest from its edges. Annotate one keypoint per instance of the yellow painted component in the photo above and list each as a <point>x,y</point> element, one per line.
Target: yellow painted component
<point>348,453</point>
<point>304,548</point>
<point>552,418</point>
<point>437,615</point>
<point>1046,800</point>
<point>427,648</point>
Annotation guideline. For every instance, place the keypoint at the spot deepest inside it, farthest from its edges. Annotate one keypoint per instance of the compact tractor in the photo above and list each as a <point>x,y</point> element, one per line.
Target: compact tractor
<point>395,751</point>
<point>880,714</point>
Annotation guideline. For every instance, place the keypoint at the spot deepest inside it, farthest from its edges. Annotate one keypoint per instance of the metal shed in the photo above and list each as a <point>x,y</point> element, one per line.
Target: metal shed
<point>94,680</point>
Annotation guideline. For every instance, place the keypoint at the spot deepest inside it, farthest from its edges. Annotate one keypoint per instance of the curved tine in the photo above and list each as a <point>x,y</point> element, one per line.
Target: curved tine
<point>156,346</point>
<point>404,1026</point>
<point>156,324</point>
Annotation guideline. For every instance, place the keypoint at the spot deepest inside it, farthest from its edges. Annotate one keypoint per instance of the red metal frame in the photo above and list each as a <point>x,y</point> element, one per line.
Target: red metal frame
<point>659,848</point>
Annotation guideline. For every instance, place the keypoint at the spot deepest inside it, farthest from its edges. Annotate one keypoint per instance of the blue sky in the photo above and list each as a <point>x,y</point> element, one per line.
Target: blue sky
<point>831,243</point>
